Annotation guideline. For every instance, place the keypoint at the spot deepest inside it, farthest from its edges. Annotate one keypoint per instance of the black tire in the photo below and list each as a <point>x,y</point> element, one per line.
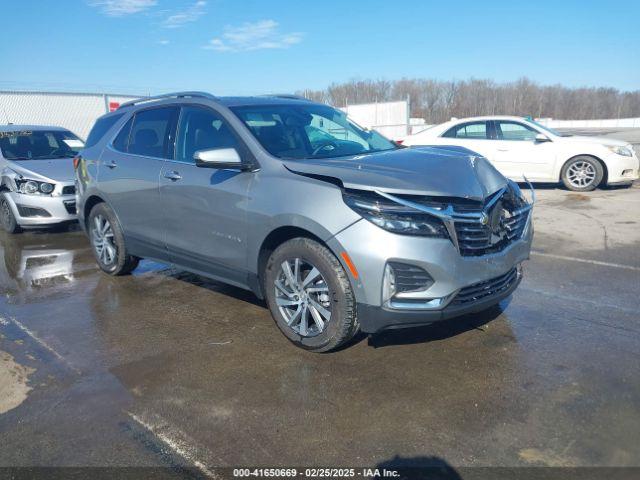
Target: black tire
<point>119,263</point>
<point>340,300</point>
<point>7,218</point>
<point>590,164</point>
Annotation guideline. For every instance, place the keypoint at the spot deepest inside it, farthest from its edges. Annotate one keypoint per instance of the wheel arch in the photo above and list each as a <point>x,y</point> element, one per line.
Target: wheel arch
<point>605,171</point>
<point>273,240</point>
<point>89,203</point>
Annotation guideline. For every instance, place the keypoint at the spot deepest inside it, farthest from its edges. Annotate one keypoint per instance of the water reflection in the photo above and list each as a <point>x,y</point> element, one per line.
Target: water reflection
<point>33,262</point>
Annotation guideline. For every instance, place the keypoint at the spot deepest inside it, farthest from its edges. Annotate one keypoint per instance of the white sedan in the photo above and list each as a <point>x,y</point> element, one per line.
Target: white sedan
<point>518,147</point>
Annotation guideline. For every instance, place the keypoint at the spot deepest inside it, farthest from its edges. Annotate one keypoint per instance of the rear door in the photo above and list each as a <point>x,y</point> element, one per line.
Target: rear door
<point>519,154</point>
<point>205,209</point>
<point>129,177</point>
<point>476,136</point>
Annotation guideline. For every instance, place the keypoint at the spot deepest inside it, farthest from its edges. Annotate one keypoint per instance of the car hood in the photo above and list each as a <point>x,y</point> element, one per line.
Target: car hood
<point>427,171</point>
<point>611,142</point>
<point>53,170</point>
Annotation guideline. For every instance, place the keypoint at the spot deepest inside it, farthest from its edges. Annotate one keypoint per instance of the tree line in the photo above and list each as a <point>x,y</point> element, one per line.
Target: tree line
<point>437,101</point>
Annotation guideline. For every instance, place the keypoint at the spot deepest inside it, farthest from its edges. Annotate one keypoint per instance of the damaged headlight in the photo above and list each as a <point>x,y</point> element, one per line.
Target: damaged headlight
<point>394,217</point>
<point>34,187</point>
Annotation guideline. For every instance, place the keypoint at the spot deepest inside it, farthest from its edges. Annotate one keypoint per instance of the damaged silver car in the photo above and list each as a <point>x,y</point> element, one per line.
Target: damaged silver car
<point>37,187</point>
<point>338,228</point>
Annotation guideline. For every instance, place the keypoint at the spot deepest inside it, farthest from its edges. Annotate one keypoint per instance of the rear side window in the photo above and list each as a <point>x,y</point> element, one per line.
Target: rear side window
<point>152,133</point>
<point>101,127</point>
<point>471,131</point>
<point>122,140</point>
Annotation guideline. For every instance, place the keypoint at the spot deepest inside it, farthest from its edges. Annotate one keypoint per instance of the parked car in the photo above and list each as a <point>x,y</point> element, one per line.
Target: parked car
<point>336,240</point>
<point>36,176</point>
<point>518,147</point>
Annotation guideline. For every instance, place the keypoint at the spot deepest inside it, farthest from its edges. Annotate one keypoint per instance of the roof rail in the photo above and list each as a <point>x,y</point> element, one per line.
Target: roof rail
<point>289,96</point>
<point>168,95</point>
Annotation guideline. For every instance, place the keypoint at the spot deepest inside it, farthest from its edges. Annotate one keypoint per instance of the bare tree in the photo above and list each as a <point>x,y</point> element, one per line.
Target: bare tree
<point>437,101</point>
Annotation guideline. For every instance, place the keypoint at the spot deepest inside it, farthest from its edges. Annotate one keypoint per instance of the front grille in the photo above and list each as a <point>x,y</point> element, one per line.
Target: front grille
<point>409,278</point>
<point>504,223</point>
<point>70,206</point>
<point>69,190</point>
<point>477,291</point>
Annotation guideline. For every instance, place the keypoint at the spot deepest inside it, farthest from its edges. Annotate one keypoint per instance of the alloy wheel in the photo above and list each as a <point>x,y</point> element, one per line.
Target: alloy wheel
<point>581,174</point>
<point>302,296</point>
<point>5,212</point>
<point>103,241</point>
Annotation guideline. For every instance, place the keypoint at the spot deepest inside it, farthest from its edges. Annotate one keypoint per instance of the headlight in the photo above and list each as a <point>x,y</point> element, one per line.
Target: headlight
<point>33,187</point>
<point>394,217</point>
<point>624,151</point>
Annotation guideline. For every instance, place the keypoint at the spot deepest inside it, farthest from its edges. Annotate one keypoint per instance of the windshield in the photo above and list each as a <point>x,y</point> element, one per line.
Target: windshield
<point>547,129</point>
<point>309,131</point>
<point>37,144</point>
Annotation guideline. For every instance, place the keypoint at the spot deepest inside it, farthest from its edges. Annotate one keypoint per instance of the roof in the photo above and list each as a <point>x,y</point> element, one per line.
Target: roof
<point>284,99</point>
<point>262,100</point>
<point>487,117</point>
<point>20,128</point>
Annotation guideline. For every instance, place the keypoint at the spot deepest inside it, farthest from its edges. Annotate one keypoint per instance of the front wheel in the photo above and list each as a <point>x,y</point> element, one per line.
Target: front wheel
<point>7,218</point>
<point>107,241</point>
<point>582,174</point>
<point>310,296</point>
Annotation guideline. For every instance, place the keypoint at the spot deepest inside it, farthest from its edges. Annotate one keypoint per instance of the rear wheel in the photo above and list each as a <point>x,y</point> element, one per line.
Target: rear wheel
<point>7,218</point>
<point>310,296</point>
<point>582,174</point>
<point>107,241</point>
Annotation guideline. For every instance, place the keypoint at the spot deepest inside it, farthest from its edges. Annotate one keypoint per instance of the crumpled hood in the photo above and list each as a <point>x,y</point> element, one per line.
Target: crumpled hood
<point>446,171</point>
<point>54,170</point>
<point>599,140</point>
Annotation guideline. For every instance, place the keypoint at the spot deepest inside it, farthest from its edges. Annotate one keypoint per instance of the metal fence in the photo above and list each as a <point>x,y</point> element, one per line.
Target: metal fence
<point>74,111</point>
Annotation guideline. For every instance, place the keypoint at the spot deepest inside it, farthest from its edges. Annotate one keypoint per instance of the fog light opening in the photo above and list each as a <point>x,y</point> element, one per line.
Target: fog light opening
<point>388,284</point>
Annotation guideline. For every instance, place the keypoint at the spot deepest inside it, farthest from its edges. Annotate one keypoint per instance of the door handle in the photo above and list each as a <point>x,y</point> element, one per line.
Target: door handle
<point>503,149</point>
<point>111,164</point>
<point>173,176</point>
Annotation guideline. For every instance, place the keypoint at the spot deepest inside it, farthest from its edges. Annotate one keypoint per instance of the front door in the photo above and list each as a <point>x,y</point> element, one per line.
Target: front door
<point>205,208</point>
<point>520,155</point>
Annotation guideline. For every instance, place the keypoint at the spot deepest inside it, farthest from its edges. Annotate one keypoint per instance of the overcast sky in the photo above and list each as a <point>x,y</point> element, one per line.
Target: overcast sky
<point>256,46</point>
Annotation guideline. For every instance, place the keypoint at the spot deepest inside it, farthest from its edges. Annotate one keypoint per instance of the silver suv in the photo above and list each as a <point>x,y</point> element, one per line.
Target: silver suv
<point>338,228</point>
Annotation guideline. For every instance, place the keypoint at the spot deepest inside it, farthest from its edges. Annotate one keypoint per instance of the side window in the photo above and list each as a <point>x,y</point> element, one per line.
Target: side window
<point>101,127</point>
<point>202,129</point>
<point>152,133</point>
<point>515,131</point>
<point>121,143</point>
<point>470,131</point>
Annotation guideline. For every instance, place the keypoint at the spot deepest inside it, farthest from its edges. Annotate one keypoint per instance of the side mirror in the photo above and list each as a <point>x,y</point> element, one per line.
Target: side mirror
<point>220,158</point>
<point>541,138</point>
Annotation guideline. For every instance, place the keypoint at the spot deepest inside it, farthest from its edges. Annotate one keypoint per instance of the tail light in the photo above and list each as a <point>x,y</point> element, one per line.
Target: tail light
<point>399,142</point>
<point>76,161</point>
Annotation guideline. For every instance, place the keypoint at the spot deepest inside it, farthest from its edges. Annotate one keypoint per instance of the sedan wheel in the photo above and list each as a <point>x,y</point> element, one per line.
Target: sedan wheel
<point>7,219</point>
<point>582,174</point>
